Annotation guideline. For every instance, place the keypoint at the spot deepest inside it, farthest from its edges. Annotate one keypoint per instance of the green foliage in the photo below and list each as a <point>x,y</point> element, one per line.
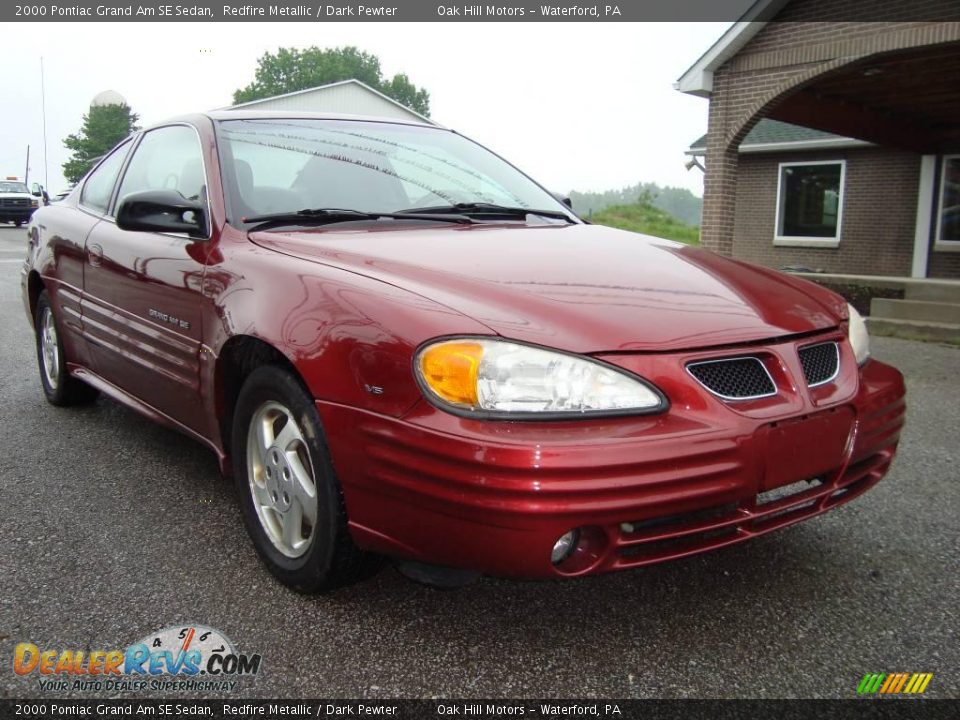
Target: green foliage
<point>291,69</point>
<point>643,217</point>
<point>679,202</point>
<point>103,127</point>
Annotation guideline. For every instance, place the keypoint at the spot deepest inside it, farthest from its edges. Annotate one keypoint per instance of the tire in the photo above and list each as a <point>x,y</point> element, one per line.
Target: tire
<point>18,223</point>
<point>281,466</point>
<point>59,387</point>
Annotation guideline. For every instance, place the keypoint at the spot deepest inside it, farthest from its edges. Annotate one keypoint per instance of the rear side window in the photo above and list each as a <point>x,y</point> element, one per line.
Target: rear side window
<point>99,185</point>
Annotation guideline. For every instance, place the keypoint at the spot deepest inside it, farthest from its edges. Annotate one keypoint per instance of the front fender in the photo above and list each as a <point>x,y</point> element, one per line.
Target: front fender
<point>350,337</point>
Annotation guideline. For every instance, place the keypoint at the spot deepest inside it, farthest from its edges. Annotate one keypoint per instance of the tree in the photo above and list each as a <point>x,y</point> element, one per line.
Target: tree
<point>290,69</point>
<point>679,202</point>
<point>103,127</point>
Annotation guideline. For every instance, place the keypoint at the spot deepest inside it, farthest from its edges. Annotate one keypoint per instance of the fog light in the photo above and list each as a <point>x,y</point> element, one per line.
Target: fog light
<point>563,548</point>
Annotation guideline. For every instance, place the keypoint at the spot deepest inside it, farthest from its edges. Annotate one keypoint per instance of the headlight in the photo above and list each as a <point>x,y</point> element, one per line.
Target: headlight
<point>859,338</point>
<point>35,203</point>
<point>499,378</point>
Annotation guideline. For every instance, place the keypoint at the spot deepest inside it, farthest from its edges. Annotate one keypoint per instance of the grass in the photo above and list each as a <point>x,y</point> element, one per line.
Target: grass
<point>644,218</point>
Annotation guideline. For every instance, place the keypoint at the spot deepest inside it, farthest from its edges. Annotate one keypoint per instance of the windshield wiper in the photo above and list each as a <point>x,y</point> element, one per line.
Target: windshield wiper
<point>481,209</point>
<point>327,216</point>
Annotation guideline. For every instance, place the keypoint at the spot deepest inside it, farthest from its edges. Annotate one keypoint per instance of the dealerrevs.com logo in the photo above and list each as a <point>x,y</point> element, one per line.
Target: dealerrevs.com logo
<point>185,657</point>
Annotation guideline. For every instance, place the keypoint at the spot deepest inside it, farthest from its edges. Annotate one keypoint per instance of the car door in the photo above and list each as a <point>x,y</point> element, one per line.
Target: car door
<point>142,290</point>
<point>64,232</point>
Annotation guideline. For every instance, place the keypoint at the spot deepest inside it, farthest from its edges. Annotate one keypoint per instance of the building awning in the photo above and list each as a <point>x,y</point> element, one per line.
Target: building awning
<point>777,136</point>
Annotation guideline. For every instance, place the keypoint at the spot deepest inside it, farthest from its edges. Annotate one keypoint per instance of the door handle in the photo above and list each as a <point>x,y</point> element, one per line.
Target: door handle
<point>94,254</point>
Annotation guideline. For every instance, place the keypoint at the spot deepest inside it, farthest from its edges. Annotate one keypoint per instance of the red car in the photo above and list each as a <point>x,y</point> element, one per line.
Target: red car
<point>400,345</point>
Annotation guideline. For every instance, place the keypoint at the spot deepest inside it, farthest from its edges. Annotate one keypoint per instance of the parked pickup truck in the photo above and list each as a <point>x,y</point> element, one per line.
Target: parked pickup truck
<point>16,201</point>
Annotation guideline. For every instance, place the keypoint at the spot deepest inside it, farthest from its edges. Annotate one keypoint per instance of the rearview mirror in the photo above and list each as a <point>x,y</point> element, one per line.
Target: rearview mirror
<point>162,211</point>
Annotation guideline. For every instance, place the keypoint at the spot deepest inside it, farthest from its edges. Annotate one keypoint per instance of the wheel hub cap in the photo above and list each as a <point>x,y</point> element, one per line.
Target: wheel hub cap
<point>281,479</point>
<point>49,350</point>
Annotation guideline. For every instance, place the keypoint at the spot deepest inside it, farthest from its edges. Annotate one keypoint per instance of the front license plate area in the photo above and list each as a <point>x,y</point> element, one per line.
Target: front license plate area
<point>806,447</point>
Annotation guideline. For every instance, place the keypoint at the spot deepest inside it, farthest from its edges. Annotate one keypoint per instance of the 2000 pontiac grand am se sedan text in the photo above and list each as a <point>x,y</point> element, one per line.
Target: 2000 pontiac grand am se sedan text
<point>400,345</point>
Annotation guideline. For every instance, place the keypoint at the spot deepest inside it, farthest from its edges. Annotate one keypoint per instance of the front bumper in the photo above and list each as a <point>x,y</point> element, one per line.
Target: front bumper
<point>13,214</point>
<point>495,496</point>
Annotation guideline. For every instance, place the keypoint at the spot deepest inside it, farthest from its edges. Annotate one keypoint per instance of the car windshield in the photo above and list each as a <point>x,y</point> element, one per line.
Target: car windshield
<point>286,165</point>
<point>13,187</point>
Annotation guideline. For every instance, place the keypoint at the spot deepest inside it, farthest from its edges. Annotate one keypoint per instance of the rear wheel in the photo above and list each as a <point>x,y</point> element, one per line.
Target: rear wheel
<point>292,505</point>
<point>59,387</point>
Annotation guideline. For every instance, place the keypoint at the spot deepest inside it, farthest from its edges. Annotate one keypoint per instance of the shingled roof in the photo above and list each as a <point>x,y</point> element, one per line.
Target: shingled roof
<point>775,136</point>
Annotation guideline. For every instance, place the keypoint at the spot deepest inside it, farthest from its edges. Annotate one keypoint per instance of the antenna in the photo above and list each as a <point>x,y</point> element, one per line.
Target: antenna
<point>43,101</point>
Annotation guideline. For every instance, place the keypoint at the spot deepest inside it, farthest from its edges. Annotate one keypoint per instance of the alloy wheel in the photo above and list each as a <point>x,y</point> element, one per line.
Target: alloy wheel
<point>50,349</point>
<point>281,479</point>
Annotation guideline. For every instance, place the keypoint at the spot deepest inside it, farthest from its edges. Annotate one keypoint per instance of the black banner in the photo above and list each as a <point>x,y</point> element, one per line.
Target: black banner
<point>484,709</point>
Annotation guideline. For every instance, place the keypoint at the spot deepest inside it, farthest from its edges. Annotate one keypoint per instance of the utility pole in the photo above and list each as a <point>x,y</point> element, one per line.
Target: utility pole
<point>43,101</point>
<point>26,173</point>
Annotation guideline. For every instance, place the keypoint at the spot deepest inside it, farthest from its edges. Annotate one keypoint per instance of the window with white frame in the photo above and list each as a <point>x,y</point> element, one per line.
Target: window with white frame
<point>810,201</point>
<point>948,209</point>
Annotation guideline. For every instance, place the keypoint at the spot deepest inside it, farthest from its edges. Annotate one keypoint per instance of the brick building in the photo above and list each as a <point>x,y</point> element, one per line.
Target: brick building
<point>834,144</point>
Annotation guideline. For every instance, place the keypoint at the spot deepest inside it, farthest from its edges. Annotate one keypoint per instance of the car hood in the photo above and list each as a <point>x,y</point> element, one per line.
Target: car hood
<point>581,288</point>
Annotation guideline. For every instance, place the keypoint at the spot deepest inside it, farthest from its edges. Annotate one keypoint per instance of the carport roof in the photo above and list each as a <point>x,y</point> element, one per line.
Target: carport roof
<point>775,136</point>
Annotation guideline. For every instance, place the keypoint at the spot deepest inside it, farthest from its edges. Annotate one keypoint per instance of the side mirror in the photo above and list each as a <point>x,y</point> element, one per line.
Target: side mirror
<point>564,199</point>
<point>162,211</point>
<point>36,190</point>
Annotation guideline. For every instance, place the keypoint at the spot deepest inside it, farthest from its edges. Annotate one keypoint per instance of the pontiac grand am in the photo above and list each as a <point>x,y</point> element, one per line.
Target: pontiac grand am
<point>399,345</point>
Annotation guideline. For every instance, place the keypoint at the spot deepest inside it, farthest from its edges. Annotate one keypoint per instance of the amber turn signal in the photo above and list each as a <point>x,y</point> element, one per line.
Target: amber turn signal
<point>450,369</point>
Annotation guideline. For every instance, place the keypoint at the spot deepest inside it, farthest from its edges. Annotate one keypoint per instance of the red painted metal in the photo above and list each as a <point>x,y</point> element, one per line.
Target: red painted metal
<point>348,308</point>
<point>496,496</point>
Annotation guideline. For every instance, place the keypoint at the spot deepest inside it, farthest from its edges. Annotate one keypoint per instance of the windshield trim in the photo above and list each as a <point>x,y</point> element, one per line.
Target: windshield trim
<point>225,158</point>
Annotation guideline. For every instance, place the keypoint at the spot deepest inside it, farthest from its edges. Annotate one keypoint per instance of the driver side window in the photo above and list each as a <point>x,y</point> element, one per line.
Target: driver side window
<point>99,184</point>
<point>168,158</point>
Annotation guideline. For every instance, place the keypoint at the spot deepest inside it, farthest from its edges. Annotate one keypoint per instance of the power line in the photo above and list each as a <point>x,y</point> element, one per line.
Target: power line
<point>43,101</point>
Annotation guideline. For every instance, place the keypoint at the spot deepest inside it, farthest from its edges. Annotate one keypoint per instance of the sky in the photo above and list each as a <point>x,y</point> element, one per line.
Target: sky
<point>578,106</point>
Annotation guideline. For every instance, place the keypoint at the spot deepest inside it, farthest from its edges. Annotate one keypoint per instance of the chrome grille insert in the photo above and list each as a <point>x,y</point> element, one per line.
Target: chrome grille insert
<point>821,363</point>
<point>736,378</point>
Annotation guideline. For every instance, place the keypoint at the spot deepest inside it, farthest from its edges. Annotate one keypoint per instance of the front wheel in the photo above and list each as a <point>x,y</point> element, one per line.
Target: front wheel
<point>18,223</point>
<point>292,505</point>
<point>59,387</point>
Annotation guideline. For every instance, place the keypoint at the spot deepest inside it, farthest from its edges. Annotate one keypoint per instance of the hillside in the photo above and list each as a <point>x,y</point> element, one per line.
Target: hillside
<point>679,202</point>
<point>642,217</point>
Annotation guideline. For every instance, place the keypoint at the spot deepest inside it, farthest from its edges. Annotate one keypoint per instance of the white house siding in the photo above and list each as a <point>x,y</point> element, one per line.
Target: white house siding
<point>347,98</point>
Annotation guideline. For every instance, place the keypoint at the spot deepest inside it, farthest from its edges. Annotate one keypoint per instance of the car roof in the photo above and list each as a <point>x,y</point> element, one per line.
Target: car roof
<point>245,114</point>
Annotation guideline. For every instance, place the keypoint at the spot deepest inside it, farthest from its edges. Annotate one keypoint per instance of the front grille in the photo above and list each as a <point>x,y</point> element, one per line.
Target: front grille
<point>671,522</point>
<point>14,202</point>
<point>650,541</point>
<point>820,363</point>
<point>741,378</point>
